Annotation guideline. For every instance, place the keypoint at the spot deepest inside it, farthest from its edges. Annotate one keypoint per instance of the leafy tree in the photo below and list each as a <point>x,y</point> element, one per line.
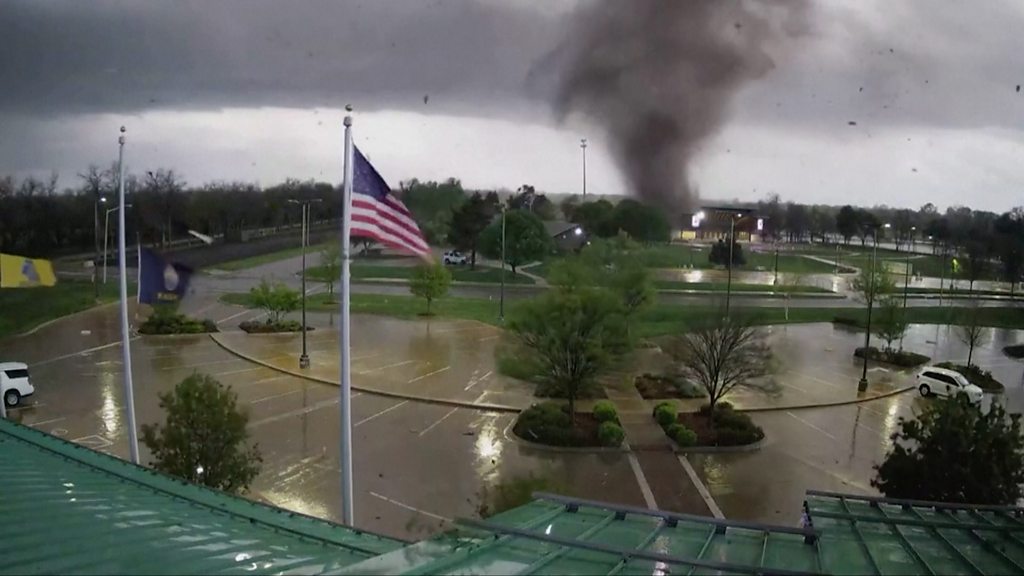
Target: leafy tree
<point>568,207</point>
<point>640,222</point>
<point>573,273</point>
<point>871,283</point>
<point>1009,244</point>
<point>719,254</point>
<point>976,255</point>
<point>596,218</point>
<point>633,285</point>
<point>526,240</point>
<point>432,204</point>
<point>774,217</point>
<point>330,264</point>
<point>955,452</point>
<point>891,323</point>
<point>867,225</point>
<point>847,223</point>
<point>430,281</point>
<point>204,437</point>
<point>797,221</point>
<point>719,356</point>
<point>277,299</point>
<point>902,223</point>
<point>469,222</point>
<point>571,335</point>
<point>970,330</point>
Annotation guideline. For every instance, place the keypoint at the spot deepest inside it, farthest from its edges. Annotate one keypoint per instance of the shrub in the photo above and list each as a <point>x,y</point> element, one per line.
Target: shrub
<point>721,406</point>
<point>1014,351</point>
<point>902,358</point>
<point>738,437</point>
<point>732,419</point>
<point>665,414</point>
<point>684,436</point>
<point>257,327</point>
<point>610,434</point>
<point>546,423</point>
<point>847,321</point>
<point>165,321</point>
<point>605,411</point>
<point>654,413</point>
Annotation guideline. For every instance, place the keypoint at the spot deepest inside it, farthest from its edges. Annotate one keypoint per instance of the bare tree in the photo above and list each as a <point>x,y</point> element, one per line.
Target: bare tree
<point>970,330</point>
<point>722,355</point>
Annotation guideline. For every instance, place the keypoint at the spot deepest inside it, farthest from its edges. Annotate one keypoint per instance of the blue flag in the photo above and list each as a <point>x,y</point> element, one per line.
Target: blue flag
<point>161,281</point>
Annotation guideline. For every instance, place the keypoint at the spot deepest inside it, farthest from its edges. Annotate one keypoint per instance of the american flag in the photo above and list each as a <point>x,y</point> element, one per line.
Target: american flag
<point>378,214</point>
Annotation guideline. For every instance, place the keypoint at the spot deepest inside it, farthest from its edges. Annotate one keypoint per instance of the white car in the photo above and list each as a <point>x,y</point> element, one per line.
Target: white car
<point>453,257</point>
<point>14,384</point>
<point>946,382</point>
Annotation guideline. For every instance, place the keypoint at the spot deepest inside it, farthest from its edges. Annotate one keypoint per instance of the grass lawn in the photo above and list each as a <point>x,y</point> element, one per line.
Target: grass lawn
<point>736,287</point>
<point>485,274</point>
<point>26,308</point>
<point>658,320</point>
<point>253,261</point>
<point>958,292</point>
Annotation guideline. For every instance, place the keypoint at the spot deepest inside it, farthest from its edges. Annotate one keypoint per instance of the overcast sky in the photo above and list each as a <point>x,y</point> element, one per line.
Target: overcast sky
<point>253,90</point>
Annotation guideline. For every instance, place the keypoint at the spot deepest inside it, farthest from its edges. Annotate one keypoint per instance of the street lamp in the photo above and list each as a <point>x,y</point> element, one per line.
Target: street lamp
<point>106,234</point>
<point>304,357</point>
<point>501,302</point>
<point>732,241</point>
<point>863,384</point>
<point>583,147</point>
<point>100,198</point>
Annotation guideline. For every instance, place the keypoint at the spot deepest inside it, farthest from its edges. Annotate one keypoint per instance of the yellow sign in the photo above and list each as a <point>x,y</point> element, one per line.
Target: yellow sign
<point>22,272</point>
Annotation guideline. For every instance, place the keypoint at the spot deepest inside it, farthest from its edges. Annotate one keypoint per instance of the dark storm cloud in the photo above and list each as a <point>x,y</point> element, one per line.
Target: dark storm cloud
<point>77,57</point>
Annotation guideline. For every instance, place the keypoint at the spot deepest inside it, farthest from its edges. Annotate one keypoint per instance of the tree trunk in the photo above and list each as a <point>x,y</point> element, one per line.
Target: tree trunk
<point>428,306</point>
<point>472,259</point>
<point>572,408</point>
<point>970,353</point>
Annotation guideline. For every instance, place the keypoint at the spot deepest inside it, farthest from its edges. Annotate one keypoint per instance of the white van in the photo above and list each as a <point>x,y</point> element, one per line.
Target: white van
<point>14,384</point>
<point>946,382</point>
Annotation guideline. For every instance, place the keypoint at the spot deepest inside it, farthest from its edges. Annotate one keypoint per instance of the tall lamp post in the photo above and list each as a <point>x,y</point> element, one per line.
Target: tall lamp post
<point>732,241</point>
<point>583,147</point>
<point>304,357</point>
<point>501,302</point>
<point>106,235</point>
<point>100,198</point>
<point>872,285</point>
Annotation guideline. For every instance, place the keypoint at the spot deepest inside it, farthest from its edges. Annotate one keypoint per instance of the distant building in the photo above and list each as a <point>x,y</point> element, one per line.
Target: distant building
<point>567,235</point>
<point>711,223</point>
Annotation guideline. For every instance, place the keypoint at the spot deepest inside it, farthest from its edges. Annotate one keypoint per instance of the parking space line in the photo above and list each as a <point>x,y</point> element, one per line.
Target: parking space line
<point>442,419</point>
<point>50,421</point>
<point>490,338</point>
<point>427,375</point>
<point>298,412</point>
<point>197,365</point>
<point>808,424</point>
<point>701,488</point>
<point>243,370</point>
<point>410,508</point>
<point>272,397</point>
<point>378,369</point>
<point>81,352</point>
<point>233,316</point>
<point>645,488</point>
<point>473,382</point>
<point>381,413</point>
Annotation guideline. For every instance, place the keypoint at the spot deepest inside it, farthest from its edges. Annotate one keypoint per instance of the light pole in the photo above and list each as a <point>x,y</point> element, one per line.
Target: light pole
<point>501,302</point>
<point>106,235</point>
<point>732,240</point>
<point>776,280</point>
<point>863,384</point>
<point>96,242</point>
<point>583,147</point>
<point>304,357</point>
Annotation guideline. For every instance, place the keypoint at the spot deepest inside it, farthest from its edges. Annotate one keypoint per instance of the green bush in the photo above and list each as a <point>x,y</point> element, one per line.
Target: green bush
<point>548,424</point>
<point>1014,351</point>
<point>721,406</point>
<point>737,436</point>
<point>665,414</point>
<point>605,411</point>
<point>165,320</point>
<point>684,436</point>
<point>257,327</point>
<point>902,358</point>
<point>610,434</point>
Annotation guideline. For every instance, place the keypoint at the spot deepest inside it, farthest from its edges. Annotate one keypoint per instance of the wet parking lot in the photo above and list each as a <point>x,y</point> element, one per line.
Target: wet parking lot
<point>418,465</point>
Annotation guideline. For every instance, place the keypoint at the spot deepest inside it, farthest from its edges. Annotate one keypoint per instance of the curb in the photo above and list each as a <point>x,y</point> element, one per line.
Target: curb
<point>376,392</point>
<point>830,404</point>
<point>718,449</point>
<point>39,327</point>
<point>511,436</point>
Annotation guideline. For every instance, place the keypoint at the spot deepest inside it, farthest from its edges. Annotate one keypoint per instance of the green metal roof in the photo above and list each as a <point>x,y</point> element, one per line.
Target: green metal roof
<point>67,509</point>
<point>865,535</point>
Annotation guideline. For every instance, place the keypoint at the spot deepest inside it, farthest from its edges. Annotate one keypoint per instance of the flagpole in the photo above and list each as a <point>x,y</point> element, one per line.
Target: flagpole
<point>348,516</point>
<point>126,351</point>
